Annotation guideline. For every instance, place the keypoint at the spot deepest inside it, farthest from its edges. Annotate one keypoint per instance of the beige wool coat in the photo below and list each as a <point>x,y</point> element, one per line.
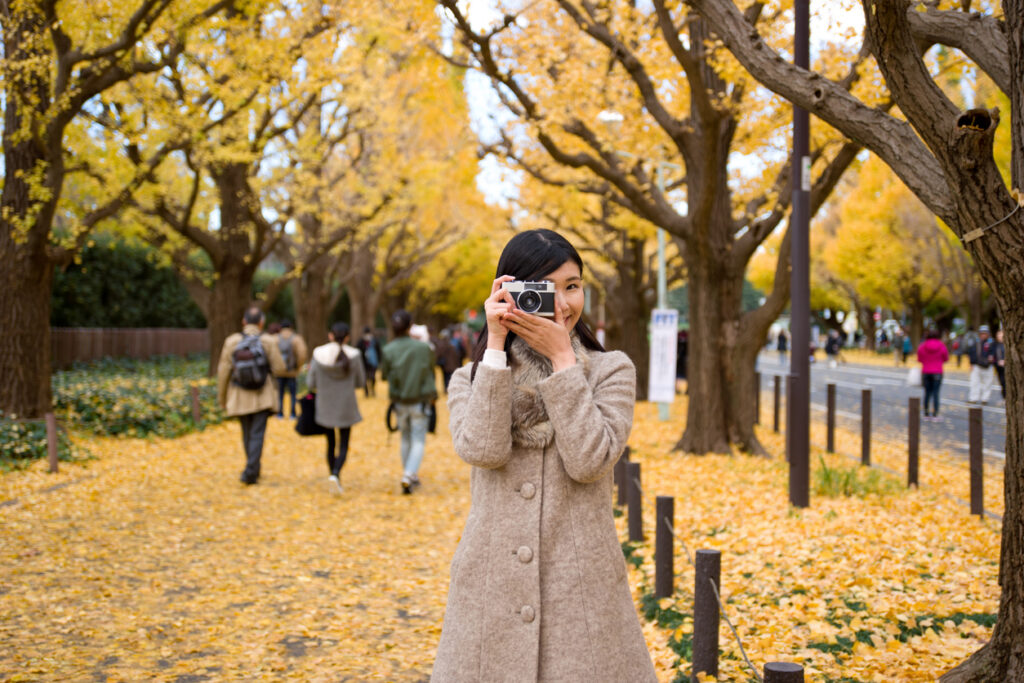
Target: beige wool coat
<point>235,400</point>
<point>538,588</point>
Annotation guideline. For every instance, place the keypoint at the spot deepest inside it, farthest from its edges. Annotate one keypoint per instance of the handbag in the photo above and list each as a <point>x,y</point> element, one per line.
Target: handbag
<point>305,424</point>
<point>914,377</point>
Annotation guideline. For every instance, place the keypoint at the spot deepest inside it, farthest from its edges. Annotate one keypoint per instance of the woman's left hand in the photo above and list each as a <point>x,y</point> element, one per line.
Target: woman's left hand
<point>545,336</point>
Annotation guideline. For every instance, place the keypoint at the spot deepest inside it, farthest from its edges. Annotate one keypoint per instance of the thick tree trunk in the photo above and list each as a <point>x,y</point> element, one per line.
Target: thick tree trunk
<point>628,333</point>
<point>236,262</point>
<point>866,314</point>
<point>26,280</point>
<point>627,328</point>
<point>33,176</point>
<point>916,323</point>
<point>742,388</point>
<point>707,415</point>
<point>312,297</point>
<point>1002,659</point>
<point>228,300</point>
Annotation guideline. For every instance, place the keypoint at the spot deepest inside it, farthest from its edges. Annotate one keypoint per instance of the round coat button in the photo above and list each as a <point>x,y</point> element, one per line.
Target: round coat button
<point>527,490</point>
<point>527,614</point>
<point>524,554</point>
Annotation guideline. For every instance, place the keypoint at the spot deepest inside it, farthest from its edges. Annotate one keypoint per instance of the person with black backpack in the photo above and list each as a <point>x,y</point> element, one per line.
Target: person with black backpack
<point>294,353</point>
<point>244,388</point>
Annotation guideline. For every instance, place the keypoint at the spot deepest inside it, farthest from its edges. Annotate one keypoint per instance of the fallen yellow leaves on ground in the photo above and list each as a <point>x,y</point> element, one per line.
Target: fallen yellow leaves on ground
<point>152,562</point>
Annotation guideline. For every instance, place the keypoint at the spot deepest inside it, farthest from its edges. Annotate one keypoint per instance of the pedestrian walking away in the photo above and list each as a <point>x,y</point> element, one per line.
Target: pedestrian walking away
<point>932,354</point>
<point>370,348</point>
<point>782,344</point>
<point>408,368</point>
<point>833,348</point>
<point>539,588</point>
<point>449,357</point>
<point>294,353</point>
<point>983,377</point>
<point>335,373</point>
<point>244,390</point>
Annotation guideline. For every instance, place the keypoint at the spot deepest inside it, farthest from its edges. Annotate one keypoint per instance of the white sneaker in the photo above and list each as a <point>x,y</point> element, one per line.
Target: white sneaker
<point>333,485</point>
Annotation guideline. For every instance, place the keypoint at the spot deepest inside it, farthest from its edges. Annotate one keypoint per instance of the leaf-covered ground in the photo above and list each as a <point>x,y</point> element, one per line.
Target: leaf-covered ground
<point>152,562</point>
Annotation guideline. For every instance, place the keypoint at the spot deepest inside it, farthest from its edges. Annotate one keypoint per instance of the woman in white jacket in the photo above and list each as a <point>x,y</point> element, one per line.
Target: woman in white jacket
<point>335,373</point>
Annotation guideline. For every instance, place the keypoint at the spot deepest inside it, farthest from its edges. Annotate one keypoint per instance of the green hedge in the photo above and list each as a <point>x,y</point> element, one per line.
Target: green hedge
<point>22,442</point>
<point>136,398</point>
<point>115,398</point>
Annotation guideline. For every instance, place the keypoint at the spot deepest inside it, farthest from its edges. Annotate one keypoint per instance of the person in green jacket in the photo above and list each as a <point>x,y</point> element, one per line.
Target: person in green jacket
<point>408,368</point>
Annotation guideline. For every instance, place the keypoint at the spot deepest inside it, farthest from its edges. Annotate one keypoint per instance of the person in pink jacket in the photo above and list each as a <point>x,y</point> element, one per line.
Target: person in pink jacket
<point>932,354</point>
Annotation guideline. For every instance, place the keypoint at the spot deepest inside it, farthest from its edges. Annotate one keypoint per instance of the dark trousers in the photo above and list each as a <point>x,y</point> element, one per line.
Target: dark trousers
<point>931,383</point>
<point>1001,374</point>
<point>371,379</point>
<point>336,462</point>
<point>254,427</point>
<point>285,384</point>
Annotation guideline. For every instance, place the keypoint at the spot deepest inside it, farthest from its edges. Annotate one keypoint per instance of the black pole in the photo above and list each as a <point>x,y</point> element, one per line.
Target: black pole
<point>783,672</point>
<point>620,476</point>
<point>798,412</point>
<point>705,613</point>
<point>830,418</point>
<point>789,423</point>
<point>913,439</point>
<point>974,426</point>
<point>664,548</point>
<point>865,427</point>
<point>757,398</point>
<point>634,502</point>
<point>775,420</point>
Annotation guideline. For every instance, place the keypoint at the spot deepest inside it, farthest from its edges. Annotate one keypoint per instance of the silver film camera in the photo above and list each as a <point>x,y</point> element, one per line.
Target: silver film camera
<point>537,298</point>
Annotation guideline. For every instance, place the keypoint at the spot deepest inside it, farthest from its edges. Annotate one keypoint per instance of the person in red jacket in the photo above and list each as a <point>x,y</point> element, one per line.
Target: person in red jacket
<point>932,354</point>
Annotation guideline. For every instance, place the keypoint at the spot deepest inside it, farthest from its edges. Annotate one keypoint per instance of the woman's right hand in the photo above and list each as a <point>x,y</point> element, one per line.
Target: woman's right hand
<point>496,306</point>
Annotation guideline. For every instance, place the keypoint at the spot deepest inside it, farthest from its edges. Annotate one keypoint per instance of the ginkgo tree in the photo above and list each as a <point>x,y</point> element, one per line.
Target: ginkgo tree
<point>58,57</point>
<point>688,114</point>
<point>948,158</point>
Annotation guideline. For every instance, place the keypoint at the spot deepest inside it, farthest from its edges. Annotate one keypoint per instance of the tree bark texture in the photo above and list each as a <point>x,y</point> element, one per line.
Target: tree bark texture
<point>234,261</point>
<point>26,277</point>
<point>630,310</point>
<point>312,300</point>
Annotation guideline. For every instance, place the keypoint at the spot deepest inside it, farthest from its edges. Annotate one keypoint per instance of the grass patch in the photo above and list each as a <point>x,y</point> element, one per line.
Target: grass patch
<point>855,481</point>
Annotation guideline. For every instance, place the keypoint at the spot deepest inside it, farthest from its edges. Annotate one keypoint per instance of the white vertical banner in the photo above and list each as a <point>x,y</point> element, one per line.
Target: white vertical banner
<point>661,377</point>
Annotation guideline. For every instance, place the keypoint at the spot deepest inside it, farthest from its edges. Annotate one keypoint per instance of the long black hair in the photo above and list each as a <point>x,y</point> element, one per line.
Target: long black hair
<point>532,255</point>
<point>341,330</point>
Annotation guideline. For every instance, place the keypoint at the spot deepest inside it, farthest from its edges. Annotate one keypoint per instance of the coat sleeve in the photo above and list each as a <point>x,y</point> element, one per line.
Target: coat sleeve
<point>480,415</point>
<point>591,424</point>
<point>224,366</point>
<point>274,357</point>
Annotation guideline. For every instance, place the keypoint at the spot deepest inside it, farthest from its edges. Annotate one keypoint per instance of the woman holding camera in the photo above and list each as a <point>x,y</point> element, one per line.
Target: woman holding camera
<point>539,589</point>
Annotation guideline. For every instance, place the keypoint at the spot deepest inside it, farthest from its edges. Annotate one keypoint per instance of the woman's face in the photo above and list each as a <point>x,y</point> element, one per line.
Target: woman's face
<point>568,292</point>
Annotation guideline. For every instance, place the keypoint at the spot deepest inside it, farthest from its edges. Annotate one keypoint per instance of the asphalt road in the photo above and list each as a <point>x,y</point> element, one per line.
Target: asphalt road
<point>889,399</point>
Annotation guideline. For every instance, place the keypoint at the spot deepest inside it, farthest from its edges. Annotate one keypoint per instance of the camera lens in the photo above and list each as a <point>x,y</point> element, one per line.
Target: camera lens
<point>529,301</point>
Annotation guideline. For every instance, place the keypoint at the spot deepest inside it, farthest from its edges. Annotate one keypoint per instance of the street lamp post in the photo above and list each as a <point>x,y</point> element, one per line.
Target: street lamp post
<point>798,411</point>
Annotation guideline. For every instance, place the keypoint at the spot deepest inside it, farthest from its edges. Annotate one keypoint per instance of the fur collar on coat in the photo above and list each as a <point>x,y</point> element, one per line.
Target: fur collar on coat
<point>531,427</point>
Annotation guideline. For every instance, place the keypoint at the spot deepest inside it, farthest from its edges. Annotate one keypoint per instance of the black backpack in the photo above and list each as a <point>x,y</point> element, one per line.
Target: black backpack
<point>251,367</point>
<point>284,345</point>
